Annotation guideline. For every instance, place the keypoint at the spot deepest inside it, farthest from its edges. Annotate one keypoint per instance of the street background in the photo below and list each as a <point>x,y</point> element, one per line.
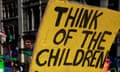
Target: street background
<point>19,23</point>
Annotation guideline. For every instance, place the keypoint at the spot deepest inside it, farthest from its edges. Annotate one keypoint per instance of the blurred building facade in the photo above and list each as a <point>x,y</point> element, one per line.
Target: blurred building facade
<point>20,20</point>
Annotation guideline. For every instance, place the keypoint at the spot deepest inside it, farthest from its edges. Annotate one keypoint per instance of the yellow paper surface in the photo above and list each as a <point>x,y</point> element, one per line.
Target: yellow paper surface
<point>74,38</point>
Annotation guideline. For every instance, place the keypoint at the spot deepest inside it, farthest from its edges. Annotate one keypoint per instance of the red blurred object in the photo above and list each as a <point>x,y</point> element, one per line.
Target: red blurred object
<point>106,65</point>
<point>28,43</point>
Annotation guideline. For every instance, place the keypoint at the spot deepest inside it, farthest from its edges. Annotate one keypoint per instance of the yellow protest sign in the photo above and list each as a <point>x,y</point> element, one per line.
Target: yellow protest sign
<point>74,38</point>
